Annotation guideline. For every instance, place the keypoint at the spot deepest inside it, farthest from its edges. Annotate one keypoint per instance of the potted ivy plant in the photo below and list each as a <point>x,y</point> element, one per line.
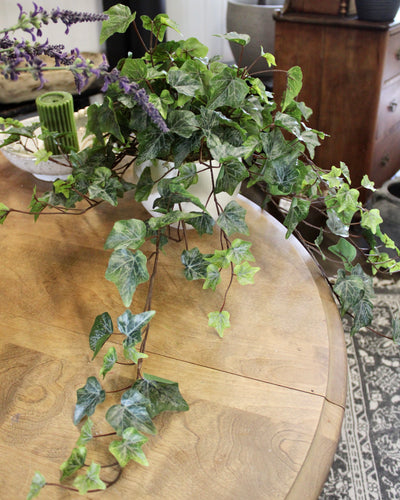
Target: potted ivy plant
<point>190,117</point>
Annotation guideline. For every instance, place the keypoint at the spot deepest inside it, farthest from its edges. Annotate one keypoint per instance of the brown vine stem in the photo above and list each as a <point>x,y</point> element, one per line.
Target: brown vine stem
<point>147,306</point>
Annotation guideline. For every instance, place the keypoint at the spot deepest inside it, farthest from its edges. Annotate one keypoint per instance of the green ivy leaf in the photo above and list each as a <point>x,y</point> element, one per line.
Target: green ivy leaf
<point>158,25</point>
<point>172,217</point>
<point>220,258</point>
<point>232,219</point>
<point>297,212</point>
<point>352,289</point>
<point>101,331</point>
<point>239,38</point>
<point>102,119</point>
<point>42,155</point>
<point>182,122</point>
<point>231,174</point>
<point>362,314</point>
<point>74,462</point>
<point>86,433</point>
<point>127,270</point>
<point>367,184</point>
<point>195,266</point>
<point>109,361</point>
<point>4,211</point>
<point>270,58</point>
<point>88,397</point>
<point>104,186</point>
<point>188,174</point>
<point>184,82</point>
<point>129,448</point>
<point>119,20</point>
<point>126,234</point>
<point>371,219</point>
<point>152,144</point>
<point>245,273</point>
<point>91,481</point>
<point>164,395</point>
<point>132,412</point>
<point>345,250</point>
<point>336,225</point>
<point>240,251</point>
<point>227,90</point>
<point>203,223</point>
<point>294,85</point>
<point>38,482</point>
<point>130,351</point>
<point>145,185</point>
<point>219,320</point>
<point>131,324</point>
<point>213,277</point>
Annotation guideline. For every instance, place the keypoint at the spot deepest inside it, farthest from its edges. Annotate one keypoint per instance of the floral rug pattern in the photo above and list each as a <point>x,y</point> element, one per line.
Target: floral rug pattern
<point>367,462</point>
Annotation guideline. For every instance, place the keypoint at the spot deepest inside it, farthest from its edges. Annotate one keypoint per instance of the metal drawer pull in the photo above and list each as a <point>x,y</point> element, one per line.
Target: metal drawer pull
<point>392,106</point>
<point>384,160</point>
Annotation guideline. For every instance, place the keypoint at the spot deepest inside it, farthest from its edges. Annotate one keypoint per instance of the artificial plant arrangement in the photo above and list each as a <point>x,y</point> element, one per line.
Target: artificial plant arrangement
<point>174,117</point>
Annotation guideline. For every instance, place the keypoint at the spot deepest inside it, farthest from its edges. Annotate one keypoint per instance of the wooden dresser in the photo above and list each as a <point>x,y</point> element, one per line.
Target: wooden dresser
<point>351,80</point>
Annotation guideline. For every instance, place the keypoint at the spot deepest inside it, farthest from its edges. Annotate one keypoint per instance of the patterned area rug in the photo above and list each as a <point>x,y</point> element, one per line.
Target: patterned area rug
<point>367,462</point>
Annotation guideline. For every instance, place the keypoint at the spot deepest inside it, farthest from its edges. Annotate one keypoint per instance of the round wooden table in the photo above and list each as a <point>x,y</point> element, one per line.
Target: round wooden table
<point>266,401</point>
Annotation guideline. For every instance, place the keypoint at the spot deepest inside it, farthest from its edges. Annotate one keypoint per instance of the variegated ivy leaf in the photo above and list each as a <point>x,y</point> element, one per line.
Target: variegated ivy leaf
<point>104,186</point>
<point>194,263</point>
<point>109,361</point>
<point>298,211</point>
<point>367,183</point>
<point>158,25</point>
<point>132,412</point>
<point>362,314</point>
<point>172,217</point>
<point>101,331</point>
<point>213,277</point>
<point>145,185</point>
<point>74,462</point>
<point>219,320</point>
<point>164,395</point>
<point>127,270</point>
<point>240,251</point>
<point>131,324</point>
<point>371,220</point>
<point>184,82</point>
<point>203,223</point>
<point>232,219</point>
<point>88,397</point>
<point>350,288</point>
<point>91,481</point>
<point>38,482</point>
<point>270,58</point>
<point>226,89</point>
<point>345,250</point>
<point>231,174</point>
<point>130,351</point>
<point>182,122</point>
<point>245,273</point>
<point>336,225</point>
<point>129,448</point>
<point>294,85</point>
<point>86,433</point>
<point>126,234</point>
<point>220,258</point>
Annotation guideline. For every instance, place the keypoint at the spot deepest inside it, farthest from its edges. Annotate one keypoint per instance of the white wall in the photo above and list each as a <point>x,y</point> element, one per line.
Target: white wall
<point>201,19</point>
<point>85,36</point>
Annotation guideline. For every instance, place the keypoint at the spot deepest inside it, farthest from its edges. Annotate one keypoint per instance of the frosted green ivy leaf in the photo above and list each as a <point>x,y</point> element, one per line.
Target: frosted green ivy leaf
<point>109,361</point>
<point>226,89</point>
<point>135,70</point>
<point>38,482</point>
<point>350,289</point>
<point>129,448</point>
<point>185,83</point>
<point>297,212</point>
<point>130,351</point>
<point>41,155</point>
<point>232,219</point>
<point>158,25</point>
<point>132,412</point>
<point>371,219</point>
<point>336,225</point>
<point>194,263</point>
<point>182,122</point>
<point>367,184</point>
<point>173,217</point>
<point>245,273</point>
<point>231,174</point>
<point>240,251</point>
<point>119,20</point>
<point>333,177</point>
<point>188,174</point>
<point>213,277</point>
<point>88,397</point>
<point>270,58</point>
<point>164,395</point>
<point>127,270</point>
<point>104,186</point>
<point>311,140</point>
<point>219,320</point>
<point>74,462</point>
<point>345,171</point>
<point>4,211</point>
<point>131,324</point>
<point>203,223</point>
<point>239,38</point>
<point>101,331</point>
<point>145,185</point>
<point>91,481</point>
<point>126,234</point>
<point>86,433</point>
<point>345,203</point>
<point>362,314</point>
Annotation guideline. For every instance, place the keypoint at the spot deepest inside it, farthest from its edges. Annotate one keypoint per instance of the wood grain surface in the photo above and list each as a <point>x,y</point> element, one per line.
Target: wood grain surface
<point>266,402</point>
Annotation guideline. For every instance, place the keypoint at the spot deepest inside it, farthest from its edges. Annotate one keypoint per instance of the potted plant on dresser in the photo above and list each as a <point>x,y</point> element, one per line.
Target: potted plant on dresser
<point>169,121</point>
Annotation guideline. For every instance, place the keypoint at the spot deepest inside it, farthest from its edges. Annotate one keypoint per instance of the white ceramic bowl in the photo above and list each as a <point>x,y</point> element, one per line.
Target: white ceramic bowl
<point>55,168</point>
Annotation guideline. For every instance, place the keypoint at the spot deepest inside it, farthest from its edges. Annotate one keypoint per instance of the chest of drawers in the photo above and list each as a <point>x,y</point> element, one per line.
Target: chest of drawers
<point>351,80</point>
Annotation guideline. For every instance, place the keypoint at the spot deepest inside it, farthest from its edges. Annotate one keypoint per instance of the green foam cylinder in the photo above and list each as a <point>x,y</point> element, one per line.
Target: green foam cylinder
<point>56,114</point>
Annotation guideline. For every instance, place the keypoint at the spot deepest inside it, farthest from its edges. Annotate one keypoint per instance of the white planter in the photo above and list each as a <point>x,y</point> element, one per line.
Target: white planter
<point>201,189</point>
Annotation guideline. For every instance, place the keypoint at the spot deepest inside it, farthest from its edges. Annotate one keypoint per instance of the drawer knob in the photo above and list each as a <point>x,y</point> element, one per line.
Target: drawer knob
<point>392,106</point>
<point>398,55</point>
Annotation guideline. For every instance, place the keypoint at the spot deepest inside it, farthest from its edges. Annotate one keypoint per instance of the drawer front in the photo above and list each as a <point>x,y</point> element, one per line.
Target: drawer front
<point>389,110</point>
<point>386,158</point>
<point>392,58</point>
